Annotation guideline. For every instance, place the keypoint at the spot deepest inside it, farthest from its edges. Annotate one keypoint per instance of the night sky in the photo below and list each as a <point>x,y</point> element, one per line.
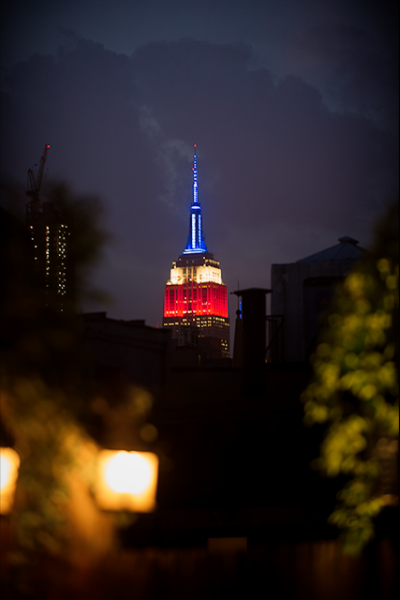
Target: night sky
<point>293,106</point>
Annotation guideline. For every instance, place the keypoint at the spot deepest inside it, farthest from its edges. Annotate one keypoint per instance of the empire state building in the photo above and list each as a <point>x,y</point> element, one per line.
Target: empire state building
<point>196,300</point>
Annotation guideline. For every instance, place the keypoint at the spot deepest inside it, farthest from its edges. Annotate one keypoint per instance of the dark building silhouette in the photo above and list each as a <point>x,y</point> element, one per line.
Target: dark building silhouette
<point>250,341</point>
<point>196,301</point>
<point>127,353</point>
<point>234,455</point>
<point>301,296</point>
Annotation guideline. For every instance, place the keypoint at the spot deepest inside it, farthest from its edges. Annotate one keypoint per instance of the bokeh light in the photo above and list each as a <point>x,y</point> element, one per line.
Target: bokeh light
<point>128,473</point>
<point>126,480</point>
<point>9,465</point>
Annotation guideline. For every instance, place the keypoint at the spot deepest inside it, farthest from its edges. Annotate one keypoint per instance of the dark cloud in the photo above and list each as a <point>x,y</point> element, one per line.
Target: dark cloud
<point>362,69</point>
<point>280,175</point>
<point>275,146</point>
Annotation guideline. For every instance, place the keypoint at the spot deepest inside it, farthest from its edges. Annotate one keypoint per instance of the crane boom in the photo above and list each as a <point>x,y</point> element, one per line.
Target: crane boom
<point>36,183</point>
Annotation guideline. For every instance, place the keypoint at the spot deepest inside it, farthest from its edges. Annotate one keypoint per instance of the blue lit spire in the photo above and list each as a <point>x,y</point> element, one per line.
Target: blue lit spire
<point>195,243</point>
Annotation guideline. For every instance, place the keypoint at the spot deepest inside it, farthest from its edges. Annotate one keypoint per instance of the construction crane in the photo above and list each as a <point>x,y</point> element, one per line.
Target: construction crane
<point>34,208</point>
<point>35,183</point>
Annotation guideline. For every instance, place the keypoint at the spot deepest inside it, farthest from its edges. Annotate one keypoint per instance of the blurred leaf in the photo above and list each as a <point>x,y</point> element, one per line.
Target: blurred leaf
<point>355,386</point>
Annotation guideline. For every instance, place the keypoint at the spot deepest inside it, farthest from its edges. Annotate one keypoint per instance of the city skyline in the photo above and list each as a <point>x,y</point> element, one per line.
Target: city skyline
<point>294,111</point>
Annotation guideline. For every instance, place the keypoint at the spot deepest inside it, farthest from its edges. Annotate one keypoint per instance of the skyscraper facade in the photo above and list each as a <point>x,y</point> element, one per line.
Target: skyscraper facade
<point>50,237</point>
<point>196,300</point>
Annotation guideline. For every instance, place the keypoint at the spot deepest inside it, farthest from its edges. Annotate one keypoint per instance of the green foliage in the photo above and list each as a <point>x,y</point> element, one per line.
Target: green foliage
<point>49,442</point>
<point>355,386</point>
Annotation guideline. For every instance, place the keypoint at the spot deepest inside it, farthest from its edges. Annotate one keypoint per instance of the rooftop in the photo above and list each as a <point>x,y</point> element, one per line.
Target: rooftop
<point>347,249</point>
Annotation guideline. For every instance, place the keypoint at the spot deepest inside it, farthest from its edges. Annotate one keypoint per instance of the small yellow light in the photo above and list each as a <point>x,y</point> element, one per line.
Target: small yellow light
<point>127,480</point>
<point>9,465</point>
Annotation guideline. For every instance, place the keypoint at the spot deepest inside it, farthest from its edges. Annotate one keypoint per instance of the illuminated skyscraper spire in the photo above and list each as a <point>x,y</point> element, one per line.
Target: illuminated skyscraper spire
<point>195,185</point>
<point>196,300</point>
<point>195,243</point>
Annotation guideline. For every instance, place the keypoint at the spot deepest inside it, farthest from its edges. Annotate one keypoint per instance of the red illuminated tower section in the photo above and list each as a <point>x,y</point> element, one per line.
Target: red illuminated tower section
<point>196,300</point>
